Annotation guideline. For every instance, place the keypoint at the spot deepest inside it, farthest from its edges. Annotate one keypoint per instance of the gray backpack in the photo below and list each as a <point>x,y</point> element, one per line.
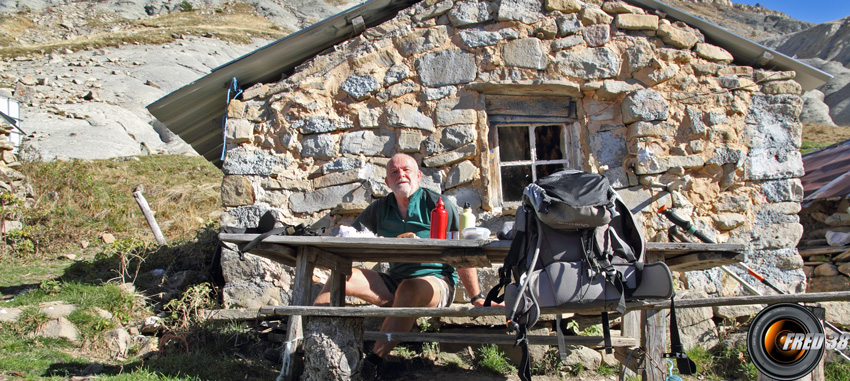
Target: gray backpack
<point>575,245</point>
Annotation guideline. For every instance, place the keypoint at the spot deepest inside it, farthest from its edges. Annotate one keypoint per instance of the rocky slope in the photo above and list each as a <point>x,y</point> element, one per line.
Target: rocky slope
<point>90,104</point>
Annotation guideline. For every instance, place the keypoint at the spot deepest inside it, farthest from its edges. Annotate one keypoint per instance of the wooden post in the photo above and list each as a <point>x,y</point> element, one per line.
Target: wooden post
<point>146,210</point>
<point>654,338</point>
<point>630,329</point>
<point>301,296</point>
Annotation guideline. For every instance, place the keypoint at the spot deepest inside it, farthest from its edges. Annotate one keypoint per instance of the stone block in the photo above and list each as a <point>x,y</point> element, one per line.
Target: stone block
<point>396,74</point>
<point>566,6</point>
<point>433,9</point>
<point>9,314</point>
<point>770,164</point>
<point>466,13</point>
<point>431,94</point>
<point>782,87</point>
<point>60,328</point>
<point>586,358</point>
<point>407,116</point>
<point>322,147</point>
<point>239,131</point>
<point>593,16</point>
<point>446,158</point>
<point>591,63</point>
<point>619,7</point>
<point>765,76</point>
<point>644,105</point>
<point>829,284</point>
<point>368,143</point>
<point>713,53</point>
<point>825,270</point>
<point>525,11</point>
<point>453,111</point>
<point>320,124</point>
<point>728,221</point>
<point>837,313</point>
<point>463,173</point>
<point>566,42</point>
<point>629,21</point>
<point>735,312</point>
<point>654,75</point>
<point>410,141</point>
<point>526,52</point>
<point>740,71</point>
<point>777,236</point>
<point>236,190</point>
<point>369,117</point>
<point>475,38</point>
<point>342,164</point>
<point>568,24</point>
<point>782,190</point>
<point>347,177</point>
<point>236,109</point>
<point>658,129</point>
<point>682,38</point>
<point>457,136</point>
<point>421,40</point>
<point>448,67</point>
<point>360,87</point>
<point>327,198</point>
<point>597,35</point>
<point>243,161</point>
<point>609,148</point>
<point>641,198</point>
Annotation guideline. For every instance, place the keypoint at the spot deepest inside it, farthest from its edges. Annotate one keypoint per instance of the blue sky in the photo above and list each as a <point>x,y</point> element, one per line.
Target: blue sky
<point>816,11</point>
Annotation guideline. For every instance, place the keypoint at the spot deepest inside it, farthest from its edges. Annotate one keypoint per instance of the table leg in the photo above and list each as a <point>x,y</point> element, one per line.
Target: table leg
<point>654,337</point>
<point>337,280</point>
<point>301,296</point>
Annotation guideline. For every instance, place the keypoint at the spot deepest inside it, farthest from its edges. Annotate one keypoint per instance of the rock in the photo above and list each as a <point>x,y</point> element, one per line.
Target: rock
<point>696,325</point>
<point>322,147</point>
<point>597,35</point>
<point>826,270</point>
<point>568,24</point>
<point>644,105</point>
<point>566,6</point>
<point>342,164</point>
<point>829,284</point>
<point>107,238</point>
<point>474,38</point>
<point>56,310</point>
<point>369,117</point>
<point>241,161</point>
<point>326,198</point>
<point>367,143</point>
<point>150,325</point>
<point>592,16</point>
<point>239,131</point>
<point>102,313</point>
<point>735,312</point>
<point>713,53</point>
<point>764,75</point>
<point>359,87</point>
<point>456,136</point>
<point>844,268</point>
<point>321,124</point>
<point>591,63</point>
<point>9,314</point>
<point>567,42</point>
<point>422,40</point>
<point>237,190</point>
<point>729,221</point>
<point>462,173</point>
<point>409,141</point>
<point>443,159</point>
<point>525,11</point>
<point>636,22</point>
<point>618,7</point>
<point>682,38</point>
<point>454,111</point>
<point>468,13</point>
<point>60,328</point>
<point>407,116</point>
<point>347,177</point>
<point>333,348</point>
<point>526,52</point>
<point>447,67</point>
<point>587,358</point>
<point>118,341</point>
<point>837,313</point>
<point>815,111</point>
<point>429,94</point>
<point>782,87</point>
<point>395,74</point>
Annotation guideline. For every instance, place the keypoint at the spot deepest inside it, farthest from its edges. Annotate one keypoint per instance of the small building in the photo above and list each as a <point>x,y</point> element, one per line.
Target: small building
<point>10,115</point>
<point>491,95</point>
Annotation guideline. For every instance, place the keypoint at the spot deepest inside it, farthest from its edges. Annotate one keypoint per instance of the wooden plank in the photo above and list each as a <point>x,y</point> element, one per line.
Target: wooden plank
<point>842,257</point>
<point>702,260</point>
<point>525,106</point>
<point>301,287</point>
<point>653,337</point>
<point>234,314</point>
<point>337,280</point>
<point>809,251</point>
<point>462,338</point>
<point>463,258</point>
<point>500,311</point>
<point>632,329</point>
<point>631,358</point>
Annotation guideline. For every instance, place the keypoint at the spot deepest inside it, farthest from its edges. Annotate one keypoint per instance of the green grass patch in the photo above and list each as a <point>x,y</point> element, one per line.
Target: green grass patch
<point>493,360</point>
<point>809,147</point>
<point>724,363</point>
<point>837,370</point>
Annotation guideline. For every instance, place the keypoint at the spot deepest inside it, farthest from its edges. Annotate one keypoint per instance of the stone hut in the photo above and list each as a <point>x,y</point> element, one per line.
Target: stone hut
<point>490,95</point>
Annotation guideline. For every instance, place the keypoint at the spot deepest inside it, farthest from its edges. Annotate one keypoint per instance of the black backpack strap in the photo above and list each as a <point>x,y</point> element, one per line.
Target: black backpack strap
<point>250,245</point>
<point>606,333</point>
<point>522,342</point>
<point>685,365</point>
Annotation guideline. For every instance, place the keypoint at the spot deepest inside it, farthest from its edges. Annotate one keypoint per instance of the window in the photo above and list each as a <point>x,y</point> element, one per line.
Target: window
<point>532,137</point>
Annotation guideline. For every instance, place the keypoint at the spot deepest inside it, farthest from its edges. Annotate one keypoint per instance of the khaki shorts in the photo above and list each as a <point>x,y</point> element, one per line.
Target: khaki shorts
<point>447,292</point>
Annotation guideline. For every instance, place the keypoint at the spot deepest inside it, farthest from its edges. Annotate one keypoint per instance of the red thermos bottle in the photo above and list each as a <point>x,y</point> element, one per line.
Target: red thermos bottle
<point>439,220</point>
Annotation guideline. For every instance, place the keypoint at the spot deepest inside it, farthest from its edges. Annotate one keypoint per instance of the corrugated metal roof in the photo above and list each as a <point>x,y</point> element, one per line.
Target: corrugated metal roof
<point>194,111</point>
<point>827,172</point>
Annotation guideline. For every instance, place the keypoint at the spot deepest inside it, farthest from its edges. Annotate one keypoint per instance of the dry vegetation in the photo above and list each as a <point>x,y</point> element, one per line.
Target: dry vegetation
<point>237,22</point>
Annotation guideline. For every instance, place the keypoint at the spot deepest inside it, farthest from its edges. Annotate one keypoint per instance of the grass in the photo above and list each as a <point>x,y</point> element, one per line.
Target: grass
<point>817,137</point>
<point>493,360</point>
<point>237,22</point>
<point>723,363</point>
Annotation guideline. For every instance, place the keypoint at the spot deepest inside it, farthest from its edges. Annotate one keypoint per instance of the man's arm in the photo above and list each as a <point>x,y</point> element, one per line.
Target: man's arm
<point>469,277</point>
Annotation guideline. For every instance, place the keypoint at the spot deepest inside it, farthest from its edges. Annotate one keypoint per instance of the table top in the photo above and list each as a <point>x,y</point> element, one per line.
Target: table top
<point>379,249</point>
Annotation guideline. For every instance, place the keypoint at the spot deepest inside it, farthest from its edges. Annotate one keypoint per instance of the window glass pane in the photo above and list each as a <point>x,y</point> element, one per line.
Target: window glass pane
<point>548,142</point>
<point>514,181</point>
<point>513,144</point>
<point>548,169</point>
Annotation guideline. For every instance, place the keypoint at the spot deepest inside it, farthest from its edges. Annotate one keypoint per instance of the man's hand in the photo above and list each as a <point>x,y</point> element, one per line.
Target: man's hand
<point>480,303</point>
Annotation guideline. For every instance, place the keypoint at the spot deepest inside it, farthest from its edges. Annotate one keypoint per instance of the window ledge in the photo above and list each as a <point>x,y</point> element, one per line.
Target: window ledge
<point>528,87</point>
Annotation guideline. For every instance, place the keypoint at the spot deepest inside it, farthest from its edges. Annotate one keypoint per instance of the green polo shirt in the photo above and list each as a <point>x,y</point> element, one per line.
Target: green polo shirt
<point>383,218</point>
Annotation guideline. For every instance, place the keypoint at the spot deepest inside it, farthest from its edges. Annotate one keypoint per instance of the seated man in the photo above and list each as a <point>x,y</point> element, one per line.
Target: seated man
<point>406,210</point>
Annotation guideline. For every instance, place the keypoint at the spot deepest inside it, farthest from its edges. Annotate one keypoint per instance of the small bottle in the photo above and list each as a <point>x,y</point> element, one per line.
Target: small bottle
<point>439,220</point>
<point>467,219</point>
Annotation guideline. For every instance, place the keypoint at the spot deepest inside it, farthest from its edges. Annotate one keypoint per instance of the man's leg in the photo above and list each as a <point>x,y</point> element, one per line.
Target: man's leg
<point>413,292</point>
<point>364,284</point>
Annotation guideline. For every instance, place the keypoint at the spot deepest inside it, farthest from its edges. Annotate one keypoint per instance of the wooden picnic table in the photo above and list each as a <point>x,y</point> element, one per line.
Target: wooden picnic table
<point>337,254</point>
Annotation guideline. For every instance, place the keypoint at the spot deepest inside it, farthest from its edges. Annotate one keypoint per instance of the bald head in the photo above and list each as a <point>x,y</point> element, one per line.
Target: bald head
<point>403,175</point>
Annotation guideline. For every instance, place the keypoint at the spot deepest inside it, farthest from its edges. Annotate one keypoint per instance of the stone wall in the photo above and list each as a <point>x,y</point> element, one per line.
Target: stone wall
<point>12,181</point>
<point>663,113</point>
